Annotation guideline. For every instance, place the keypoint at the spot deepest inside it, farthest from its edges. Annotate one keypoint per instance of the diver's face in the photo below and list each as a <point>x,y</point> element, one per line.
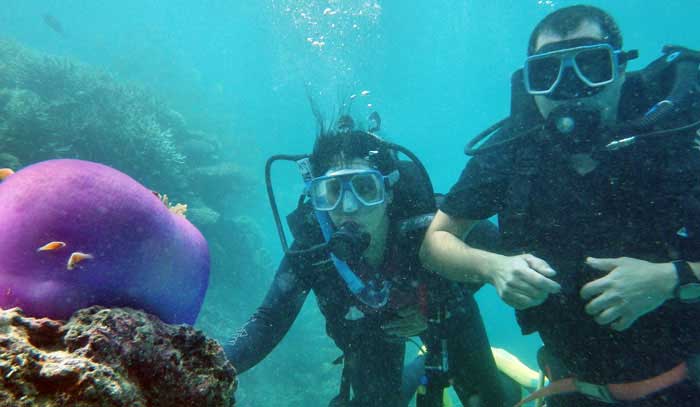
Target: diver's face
<point>350,209</point>
<point>606,101</point>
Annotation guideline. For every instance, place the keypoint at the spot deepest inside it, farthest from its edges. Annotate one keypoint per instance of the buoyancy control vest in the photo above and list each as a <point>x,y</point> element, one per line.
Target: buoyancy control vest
<point>662,99</point>
<point>648,206</point>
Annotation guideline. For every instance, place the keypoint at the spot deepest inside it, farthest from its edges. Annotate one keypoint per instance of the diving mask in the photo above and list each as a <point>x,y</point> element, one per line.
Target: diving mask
<point>581,64</point>
<point>367,186</point>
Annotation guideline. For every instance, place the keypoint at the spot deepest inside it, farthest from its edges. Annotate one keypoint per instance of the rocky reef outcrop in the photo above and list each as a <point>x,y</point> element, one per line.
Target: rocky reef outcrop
<point>109,357</point>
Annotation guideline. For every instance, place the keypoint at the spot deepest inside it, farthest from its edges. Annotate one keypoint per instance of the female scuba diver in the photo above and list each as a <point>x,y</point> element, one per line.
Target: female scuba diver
<point>357,230</point>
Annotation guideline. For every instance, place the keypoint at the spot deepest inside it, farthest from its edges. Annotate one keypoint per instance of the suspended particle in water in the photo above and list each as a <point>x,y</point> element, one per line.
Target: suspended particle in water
<point>369,105</point>
<point>353,96</point>
<point>309,39</point>
<point>364,93</point>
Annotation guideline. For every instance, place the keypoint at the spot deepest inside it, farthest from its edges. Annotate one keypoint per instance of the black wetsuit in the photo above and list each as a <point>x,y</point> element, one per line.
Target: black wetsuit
<point>374,361</point>
<point>640,202</point>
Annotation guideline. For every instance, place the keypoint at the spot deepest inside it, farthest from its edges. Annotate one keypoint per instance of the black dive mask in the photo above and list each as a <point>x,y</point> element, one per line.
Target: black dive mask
<point>348,242</point>
<point>575,129</point>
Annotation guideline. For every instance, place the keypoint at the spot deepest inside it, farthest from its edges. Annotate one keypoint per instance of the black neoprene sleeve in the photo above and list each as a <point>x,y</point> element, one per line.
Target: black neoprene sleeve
<point>252,342</point>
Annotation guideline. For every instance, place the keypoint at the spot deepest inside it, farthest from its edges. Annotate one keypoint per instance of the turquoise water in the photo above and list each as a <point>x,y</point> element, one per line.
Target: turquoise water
<point>438,72</point>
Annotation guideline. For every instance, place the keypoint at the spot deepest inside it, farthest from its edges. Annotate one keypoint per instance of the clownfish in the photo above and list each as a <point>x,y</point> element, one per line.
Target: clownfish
<point>77,257</point>
<point>5,172</point>
<point>51,246</point>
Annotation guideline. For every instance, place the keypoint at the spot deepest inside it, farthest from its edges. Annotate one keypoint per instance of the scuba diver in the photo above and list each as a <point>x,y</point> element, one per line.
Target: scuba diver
<point>357,230</point>
<point>594,178</point>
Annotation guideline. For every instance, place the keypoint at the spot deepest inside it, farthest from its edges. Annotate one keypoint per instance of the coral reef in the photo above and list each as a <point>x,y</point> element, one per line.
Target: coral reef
<point>109,357</point>
<point>215,183</point>
<point>53,107</point>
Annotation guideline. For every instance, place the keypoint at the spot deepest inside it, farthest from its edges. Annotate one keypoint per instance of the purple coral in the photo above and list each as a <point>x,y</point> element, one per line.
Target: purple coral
<point>144,256</point>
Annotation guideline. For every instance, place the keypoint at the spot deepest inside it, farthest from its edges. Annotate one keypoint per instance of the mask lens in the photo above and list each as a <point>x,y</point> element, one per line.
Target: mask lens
<point>325,193</point>
<point>595,65</point>
<point>543,73</point>
<point>368,188</point>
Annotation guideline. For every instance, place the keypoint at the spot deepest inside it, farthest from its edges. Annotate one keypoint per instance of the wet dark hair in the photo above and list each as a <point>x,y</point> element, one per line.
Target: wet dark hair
<point>566,20</point>
<point>333,145</point>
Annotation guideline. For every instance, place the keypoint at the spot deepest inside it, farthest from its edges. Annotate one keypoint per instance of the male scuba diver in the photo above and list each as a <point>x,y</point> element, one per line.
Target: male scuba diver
<point>357,231</point>
<point>594,178</point>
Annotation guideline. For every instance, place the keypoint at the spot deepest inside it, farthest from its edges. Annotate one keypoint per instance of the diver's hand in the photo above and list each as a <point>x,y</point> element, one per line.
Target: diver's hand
<point>408,322</point>
<point>523,281</point>
<point>631,289</point>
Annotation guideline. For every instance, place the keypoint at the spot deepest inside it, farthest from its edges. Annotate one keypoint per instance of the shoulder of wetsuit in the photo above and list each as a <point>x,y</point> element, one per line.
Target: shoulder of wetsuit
<point>644,104</point>
<point>412,194</point>
<point>304,226</point>
<point>306,233</point>
<point>671,55</point>
<point>672,76</point>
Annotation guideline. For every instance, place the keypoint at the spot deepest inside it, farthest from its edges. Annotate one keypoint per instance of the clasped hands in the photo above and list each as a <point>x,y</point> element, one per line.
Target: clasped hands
<point>630,289</point>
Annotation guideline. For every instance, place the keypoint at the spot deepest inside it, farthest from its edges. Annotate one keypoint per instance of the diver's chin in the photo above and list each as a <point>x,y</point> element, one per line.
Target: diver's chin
<point>548,104</point>
<point>342,222</point>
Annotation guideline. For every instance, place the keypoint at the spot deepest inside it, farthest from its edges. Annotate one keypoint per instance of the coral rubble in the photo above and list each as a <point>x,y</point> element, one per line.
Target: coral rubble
<point>109,357</point>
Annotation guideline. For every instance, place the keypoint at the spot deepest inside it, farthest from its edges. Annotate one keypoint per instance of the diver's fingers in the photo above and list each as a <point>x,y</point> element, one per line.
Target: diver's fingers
<point>601,302</point>
<point>594,288</point>
<point>608,315</point>
<point>521,301</point>
<point>539,265</point>
<point>622,323</point>
<point>538,281</point>
<point>604,264</point>
<point>523,287</point>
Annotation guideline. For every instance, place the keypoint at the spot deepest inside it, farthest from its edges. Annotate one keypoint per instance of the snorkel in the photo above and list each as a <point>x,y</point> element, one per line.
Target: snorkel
<point>372,292</point>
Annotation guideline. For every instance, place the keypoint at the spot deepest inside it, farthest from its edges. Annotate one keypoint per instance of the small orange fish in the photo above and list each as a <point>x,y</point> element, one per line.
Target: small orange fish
<point>5,172</point>
<point>77,257</point>
<point>51,246</point>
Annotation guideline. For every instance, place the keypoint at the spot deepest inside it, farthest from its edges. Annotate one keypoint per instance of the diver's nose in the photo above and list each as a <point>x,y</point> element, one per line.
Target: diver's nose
<point>572,87</point>
<point>350,203</point>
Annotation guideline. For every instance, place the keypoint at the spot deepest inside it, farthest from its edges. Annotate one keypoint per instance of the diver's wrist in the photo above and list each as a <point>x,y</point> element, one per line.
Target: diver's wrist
<point>686,287</point>
<point>668,281</point>
<point>496,265</point>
